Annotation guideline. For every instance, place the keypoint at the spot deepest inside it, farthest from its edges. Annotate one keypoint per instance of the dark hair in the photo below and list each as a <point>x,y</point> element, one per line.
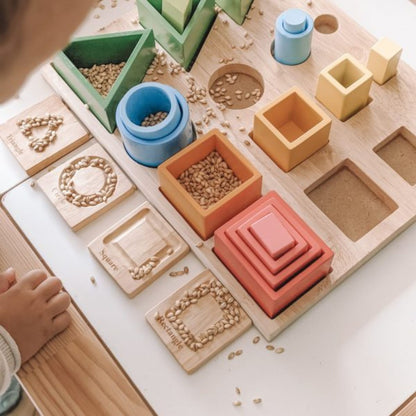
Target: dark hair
<point>8,12</point>
<point>9,28</point>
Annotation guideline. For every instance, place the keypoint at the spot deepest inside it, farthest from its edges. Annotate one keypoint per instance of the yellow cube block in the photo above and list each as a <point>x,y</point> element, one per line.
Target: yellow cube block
<point>344,87</point>
<point>383,60</point>
<point>291,129</point>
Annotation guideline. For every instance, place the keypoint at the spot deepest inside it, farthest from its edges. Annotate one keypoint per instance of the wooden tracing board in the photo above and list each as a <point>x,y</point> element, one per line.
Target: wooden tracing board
<point>348,164</point>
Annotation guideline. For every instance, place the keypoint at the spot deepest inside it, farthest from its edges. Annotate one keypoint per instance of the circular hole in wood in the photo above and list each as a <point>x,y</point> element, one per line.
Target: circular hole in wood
<point>326,24</point>
<point>236,86</point>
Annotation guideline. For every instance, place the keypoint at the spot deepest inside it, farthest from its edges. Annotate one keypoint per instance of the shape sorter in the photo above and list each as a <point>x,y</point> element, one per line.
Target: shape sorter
<point>291,128</point>
<point>344,87</point>
<point>387,200</point>
<point>265,220</point>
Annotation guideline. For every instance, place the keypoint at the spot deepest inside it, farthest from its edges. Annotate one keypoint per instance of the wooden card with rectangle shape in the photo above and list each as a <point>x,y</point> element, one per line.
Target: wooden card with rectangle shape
<point>86,186</point>
<point>138,249</point>
<point>69,135</point>
<point>198,321</point>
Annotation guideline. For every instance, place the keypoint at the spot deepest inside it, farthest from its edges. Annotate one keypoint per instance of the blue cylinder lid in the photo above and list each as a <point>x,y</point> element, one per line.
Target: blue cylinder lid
<point>295,21</point>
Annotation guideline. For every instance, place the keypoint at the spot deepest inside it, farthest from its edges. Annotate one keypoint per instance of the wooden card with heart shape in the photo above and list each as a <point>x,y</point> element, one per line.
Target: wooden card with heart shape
<point>42,134</point>
<point>198,321</point>
<point>86,186</point>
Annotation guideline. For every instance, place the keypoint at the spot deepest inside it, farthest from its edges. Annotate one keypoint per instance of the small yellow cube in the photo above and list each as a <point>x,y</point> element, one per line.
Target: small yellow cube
<point>344,87</point>
<point>383,60</point>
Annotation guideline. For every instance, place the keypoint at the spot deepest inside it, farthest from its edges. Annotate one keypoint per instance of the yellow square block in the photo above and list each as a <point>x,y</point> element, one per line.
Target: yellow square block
<point>344,87</point>
<point>291,129</point>
<point>384,59</point>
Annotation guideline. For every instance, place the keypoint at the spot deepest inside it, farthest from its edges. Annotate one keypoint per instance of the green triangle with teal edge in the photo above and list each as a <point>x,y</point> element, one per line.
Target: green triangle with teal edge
<point>136,48</point>
<point>236,9</point>
<point>183,47</point>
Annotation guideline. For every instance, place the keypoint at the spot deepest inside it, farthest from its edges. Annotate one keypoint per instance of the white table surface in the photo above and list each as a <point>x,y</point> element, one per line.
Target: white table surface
<point>354,353</point>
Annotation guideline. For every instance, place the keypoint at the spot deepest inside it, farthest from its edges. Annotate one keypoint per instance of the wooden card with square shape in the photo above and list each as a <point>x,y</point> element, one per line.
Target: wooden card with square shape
<point>42,134</point>
<point>138,249</point>
<point>86,186</point>
<point>198,321</point>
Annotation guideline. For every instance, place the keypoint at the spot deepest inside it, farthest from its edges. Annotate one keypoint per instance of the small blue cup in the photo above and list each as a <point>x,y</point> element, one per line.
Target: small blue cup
<point>151,146</point>
<point>293,37</point>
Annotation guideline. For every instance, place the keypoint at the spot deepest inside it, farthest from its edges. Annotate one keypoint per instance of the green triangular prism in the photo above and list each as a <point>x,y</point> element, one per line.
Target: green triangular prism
<point>185,46</point>
<point>136,48</point>
<point>236,9</point>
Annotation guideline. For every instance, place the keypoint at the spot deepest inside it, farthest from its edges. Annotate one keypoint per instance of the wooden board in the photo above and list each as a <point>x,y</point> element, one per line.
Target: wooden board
<point>70,135</point>
<point>73,374</point>
<point>132,243</point>
<point>408,408</point>
<point>202,314</point>
<point>393,105</point>
<point>87,181</point>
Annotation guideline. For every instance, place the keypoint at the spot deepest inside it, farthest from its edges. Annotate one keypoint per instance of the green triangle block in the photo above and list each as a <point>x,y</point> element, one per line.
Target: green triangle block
<point>183,47</point>
<point>136,48</point>
<point>236,9</point>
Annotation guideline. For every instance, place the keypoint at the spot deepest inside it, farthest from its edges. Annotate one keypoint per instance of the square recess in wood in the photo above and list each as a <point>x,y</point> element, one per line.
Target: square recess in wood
<point>86,186</point>
<point>69,135</point>
<point>399,152</point>
<point>198,321</point>
<point>138,249</point>
<point>351,200</point>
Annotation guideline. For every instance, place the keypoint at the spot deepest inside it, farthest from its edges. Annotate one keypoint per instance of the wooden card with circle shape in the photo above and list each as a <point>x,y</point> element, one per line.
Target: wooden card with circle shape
<point>198,321</point>
<point>138,249</point>
<point>86,186</point>
<point>66,136</point>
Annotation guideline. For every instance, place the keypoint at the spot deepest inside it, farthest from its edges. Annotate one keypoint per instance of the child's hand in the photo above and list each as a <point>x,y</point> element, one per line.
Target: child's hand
<point>7,280</point>
<point>33,311</point>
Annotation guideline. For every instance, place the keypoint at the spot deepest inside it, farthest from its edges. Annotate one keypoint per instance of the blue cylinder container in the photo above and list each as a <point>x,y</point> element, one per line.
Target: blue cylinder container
<point>151,146</point>
<point>293,37</point>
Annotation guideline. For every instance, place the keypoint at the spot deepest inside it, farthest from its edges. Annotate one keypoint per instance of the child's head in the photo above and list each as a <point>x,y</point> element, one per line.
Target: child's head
<point>31,31</point>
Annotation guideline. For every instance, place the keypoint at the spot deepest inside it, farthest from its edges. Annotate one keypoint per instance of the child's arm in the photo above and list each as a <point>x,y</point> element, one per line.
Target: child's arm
<point>32,311</point>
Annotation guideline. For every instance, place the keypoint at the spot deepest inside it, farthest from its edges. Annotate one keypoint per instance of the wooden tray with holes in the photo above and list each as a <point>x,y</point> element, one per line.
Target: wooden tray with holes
<point>346,192</point>
<point>138,249</point>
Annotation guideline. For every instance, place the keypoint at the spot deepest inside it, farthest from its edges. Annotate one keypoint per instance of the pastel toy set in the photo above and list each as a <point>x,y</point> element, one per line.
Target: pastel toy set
<point>279,163</point>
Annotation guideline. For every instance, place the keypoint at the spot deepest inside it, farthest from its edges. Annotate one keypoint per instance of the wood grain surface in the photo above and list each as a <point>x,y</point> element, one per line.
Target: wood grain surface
<point>87,181</point>
<point>70,135</point>
<point>132,242</point>
<point>73,374</point>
